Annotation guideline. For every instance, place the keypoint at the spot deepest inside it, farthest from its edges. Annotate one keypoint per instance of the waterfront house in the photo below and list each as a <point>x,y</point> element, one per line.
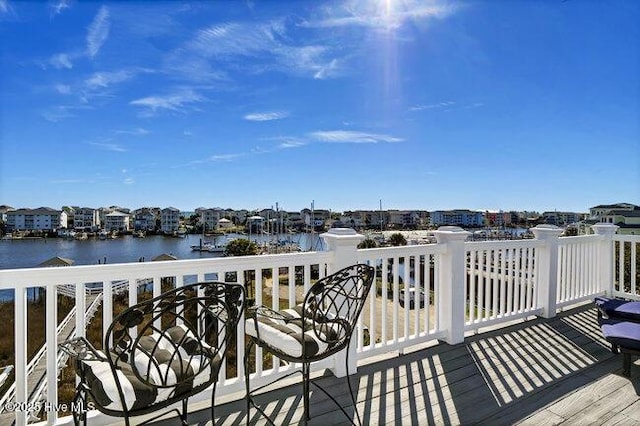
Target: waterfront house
<point>458,217</point>
<point>561,218</point>
<point>3,212</point>
<point>116,221</point>
<point>86,219</point>
<point>146,218</point>
<point>209,217</point>
<point>40,219</point>
<point>169,220</point>
<point>596,212</point>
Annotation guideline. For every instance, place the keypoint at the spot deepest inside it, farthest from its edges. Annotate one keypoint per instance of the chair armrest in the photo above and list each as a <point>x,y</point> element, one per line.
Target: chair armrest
<point>81,349</point>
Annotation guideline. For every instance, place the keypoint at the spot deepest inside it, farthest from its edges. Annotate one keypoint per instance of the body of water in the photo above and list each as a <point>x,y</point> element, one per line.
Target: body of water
<point>29,253</point>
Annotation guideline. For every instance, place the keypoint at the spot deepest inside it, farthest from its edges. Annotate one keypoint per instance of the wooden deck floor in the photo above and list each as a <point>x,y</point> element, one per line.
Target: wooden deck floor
<point>534,373</point>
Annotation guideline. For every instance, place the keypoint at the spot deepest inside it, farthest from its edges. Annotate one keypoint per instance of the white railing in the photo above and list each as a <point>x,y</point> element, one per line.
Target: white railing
<point>626,251</point>
<point>455,286</point>
<point>578,269</point>
<point>501,279</point>
<point>398,313</point>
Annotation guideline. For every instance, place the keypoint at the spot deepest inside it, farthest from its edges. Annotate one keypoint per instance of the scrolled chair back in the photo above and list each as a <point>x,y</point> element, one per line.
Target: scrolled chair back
<point>333,305</point>
<point>180,337</point>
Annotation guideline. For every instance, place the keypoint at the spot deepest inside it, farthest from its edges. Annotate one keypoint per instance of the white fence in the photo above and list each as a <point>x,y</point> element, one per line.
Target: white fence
<point>421,293</point>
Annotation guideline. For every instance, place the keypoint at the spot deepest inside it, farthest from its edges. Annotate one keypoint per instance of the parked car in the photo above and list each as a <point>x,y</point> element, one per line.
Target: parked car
<point>411,297</point>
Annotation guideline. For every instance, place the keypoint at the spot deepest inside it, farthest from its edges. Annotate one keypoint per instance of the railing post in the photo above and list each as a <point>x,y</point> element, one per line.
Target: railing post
<point>606,256</point>
<point>547,266</point>
<point>343,242</point>
<point>452,279</point>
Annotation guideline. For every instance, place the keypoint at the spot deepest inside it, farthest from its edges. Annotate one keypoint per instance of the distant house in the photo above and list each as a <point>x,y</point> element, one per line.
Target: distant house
<point>315,218</point>
<point>459,217</point>
<point>597,212</point>
<point>40,219</point>
<point>627,220</point>
<point>403,218</point>
<point>497,218</point>
<point>561,218</point>
<point>116,221</point>
<point>224,224</point>
<point>209,217</point>
<point>169,220</point>
<point>86,219</point>
<point>3,212</point>
<point>145,219</point>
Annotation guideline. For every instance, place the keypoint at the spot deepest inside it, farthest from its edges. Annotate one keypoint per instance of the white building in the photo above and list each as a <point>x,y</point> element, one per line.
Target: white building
<point>561,218</point>
<point>85,218</point>
<point>457,218</point>
<point>145,219</point>
<point>116,221</point>
<point>169,220</point>
<point>209,218</point>
<point>40,219</point>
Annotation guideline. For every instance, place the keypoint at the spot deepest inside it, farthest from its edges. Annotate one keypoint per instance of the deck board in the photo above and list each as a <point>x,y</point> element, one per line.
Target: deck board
<point>537,372</point>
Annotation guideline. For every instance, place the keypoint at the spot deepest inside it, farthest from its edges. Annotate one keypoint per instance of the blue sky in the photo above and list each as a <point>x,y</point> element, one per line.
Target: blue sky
<point>513,105</point>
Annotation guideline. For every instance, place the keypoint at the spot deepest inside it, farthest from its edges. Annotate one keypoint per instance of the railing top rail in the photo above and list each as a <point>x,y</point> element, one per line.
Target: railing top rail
<point>626,238</point>
<point>579,239</point>
<point>400,250</point>
<point>493,245</point>
<point>29,277</point>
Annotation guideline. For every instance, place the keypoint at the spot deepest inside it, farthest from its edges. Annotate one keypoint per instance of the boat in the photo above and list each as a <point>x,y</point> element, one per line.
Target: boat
<point>208,246</point>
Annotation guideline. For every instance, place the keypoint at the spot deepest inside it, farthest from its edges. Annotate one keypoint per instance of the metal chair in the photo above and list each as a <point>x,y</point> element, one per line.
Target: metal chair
<point>319,327</point>
<point>158,352</point>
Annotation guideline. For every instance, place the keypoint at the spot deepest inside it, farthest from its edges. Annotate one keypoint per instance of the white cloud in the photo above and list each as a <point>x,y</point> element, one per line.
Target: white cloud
<point>67,181</point>
<point>5,8</point>
<point>327,70</point>
<point>61,60</point>
<point>445,106</point>
<point>135,132</point>
<point>106,79</point>
<point>60,112</point>
<point>379,15</point>
<point>291,143</point>
<point>439,105</point>
<point>227,45</point>
<point>57,8</point>
<point>173,102</point>
<point>63,89</point>
<point>266,116</point>
<point>129,181</point>
<point>98,31</point>
<point>109,146</point>
<point>346,136</point>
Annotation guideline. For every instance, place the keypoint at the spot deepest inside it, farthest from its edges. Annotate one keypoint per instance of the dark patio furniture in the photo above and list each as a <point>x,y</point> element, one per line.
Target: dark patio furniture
<point>619,320</point>
<point>319,327</point>
<point>618,309</point>
<point>158,352</point>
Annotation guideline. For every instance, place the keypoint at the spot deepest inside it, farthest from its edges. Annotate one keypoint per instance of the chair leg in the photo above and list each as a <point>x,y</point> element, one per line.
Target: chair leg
<point>80,400</point>
<point>184,411</point>
<point>626,364</point>
<point>305,390</point>
<point>353,397</point>
<point>246,380</point>
<point>213,403</point>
